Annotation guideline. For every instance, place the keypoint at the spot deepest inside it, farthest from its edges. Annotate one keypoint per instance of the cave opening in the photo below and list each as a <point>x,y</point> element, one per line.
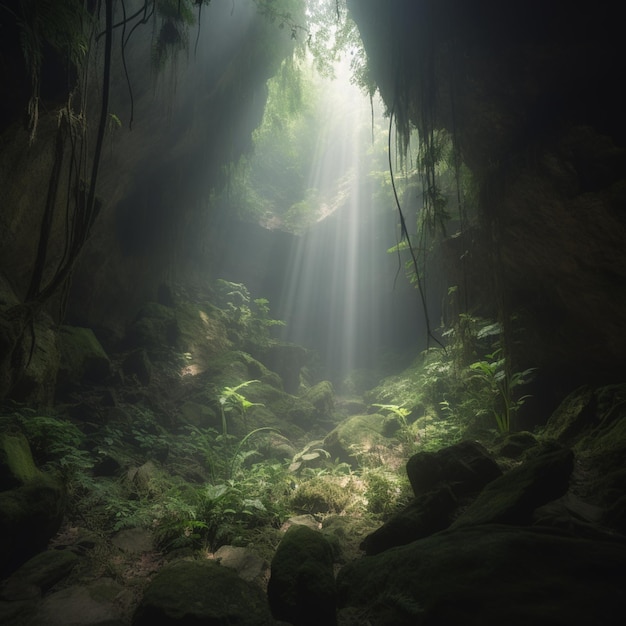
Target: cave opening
<point>326,291</point>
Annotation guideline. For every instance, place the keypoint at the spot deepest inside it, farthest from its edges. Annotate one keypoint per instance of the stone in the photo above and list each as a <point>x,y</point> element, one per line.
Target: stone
<point>137,363</point>
<point>423,516</point>
<point>301,589</point>
<point>513,498</point>
<point>40,574</point>
<point>16,461</point>
<point>355,436</point>
<point>246,563</point>
<point>94,605</point>
<point>492,574</point>
<point>83,359</point>
<point>201,592</point>
<point>29,516</point>
<point>465,467</point>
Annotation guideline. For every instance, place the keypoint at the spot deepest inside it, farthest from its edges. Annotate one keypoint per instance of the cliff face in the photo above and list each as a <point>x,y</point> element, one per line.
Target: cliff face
<point>531,93</point>
<point>169,136</point>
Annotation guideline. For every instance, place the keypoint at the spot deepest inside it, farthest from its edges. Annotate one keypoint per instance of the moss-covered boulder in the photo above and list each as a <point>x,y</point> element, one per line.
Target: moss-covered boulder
<point>16,461</point>
<point>155,328</point>
<point>286,360</point>
<point>491,574</point>
<point>513,498</point>
<point>465,467</point>
<point>321,396</point>
<point>301,588</point>
<point>356,436</point>
<point>29,516</point>
<point>574,414</point>
<point>83,359</point>
<point>39,574</point>
<point>422,517</point>
<point>202,592</point>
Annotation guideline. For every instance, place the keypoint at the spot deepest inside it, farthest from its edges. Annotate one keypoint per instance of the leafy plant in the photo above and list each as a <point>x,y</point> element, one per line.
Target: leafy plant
<point>310,452</point>
<point>500,385</point>
<point>231,400</point>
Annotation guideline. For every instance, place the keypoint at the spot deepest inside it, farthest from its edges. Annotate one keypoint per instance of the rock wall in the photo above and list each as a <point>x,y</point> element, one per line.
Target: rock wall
<point>530,92</point>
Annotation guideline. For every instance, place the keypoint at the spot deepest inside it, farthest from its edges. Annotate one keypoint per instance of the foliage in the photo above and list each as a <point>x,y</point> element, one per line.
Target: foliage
<point>385,491</point>
<point>231,400</point>
<point>500,385</point>
<point>248,319</point>
<point>312,451</point>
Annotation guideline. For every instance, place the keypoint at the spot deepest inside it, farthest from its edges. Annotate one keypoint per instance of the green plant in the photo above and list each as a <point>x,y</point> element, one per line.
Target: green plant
<point>231,400</point>
<point>499,385</point>
<point>239,456</point>
<point>310,452</point>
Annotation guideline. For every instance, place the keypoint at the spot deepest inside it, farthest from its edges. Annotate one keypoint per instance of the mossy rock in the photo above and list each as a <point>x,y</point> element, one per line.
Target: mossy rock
<point>286,360</point>
<point>356,436</point>
<point>573,415</point>
<point>17,466</point>
<point>202,592</point>
<point>422,517</point>
<point>516,444</point>
<point>490,574</point>
<point>512,498</point>
<point>43,571</point>
<point>301,589</point>
<point>321,396</point>
<point>29,516</point>
<point>465,467</point>
<point>202,331</point>
<point>83,359</point>
<point>155,328</point>
<point>321,494</point>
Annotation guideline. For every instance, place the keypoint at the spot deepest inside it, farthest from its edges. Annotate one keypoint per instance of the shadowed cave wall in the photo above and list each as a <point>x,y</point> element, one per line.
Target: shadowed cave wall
<point>531,92</point>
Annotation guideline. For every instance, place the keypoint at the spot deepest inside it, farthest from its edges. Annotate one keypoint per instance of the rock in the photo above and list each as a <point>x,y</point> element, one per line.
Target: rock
<point>154,329</point>
<point>573,415</point>
<point>137,363</point>
<point>321,396</point>
<point>301,589</point>
<point>93,605</point>
<point>465,467</point>
<point>201,592</point>
<point>356,436</point>
<point>246,563</point>
<point>134,540</point>
<point>16,461</point>
<point>492,574</point>
<point>83,359</point>
<point>29,516</point>
<point>512,498</point>
<point>34,380</point>
<point>424,516</point>
<point>515,444</point>
<point>39,574</point>
<point>286,360</point>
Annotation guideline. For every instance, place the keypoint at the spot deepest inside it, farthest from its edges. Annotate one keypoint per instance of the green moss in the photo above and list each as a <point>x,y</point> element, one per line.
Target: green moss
<point>16,462</point>
<point>322,494</point>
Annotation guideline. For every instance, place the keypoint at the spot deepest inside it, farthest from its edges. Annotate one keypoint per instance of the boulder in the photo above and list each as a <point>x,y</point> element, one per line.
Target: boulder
<point>83,359</point>
<point>16,461</point>
<point>29,516</point>
<point>96,604</point>
<point>465,468</point>
<point>301,589</point>
<point>513,498</point>
<point>246,563</point>
<point>39,574</point>
<point>356,436</point>
<point>201,592</point>
<point>423,516</point>
<point>492,574</point>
